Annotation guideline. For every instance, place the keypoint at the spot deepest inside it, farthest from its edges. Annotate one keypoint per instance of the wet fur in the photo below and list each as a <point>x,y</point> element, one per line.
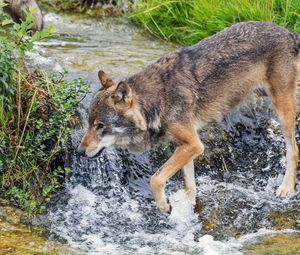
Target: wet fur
<point>193,86</point>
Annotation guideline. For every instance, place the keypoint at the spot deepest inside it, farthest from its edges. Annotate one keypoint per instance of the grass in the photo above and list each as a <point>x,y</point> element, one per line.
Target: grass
<point>189,21</point>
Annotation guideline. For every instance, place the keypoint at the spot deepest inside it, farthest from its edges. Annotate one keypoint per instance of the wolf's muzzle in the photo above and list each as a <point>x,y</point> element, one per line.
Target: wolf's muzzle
<point>81,151</point>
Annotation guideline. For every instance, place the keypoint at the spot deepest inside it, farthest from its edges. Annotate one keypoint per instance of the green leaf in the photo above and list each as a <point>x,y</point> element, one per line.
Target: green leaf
<point>6,22</point>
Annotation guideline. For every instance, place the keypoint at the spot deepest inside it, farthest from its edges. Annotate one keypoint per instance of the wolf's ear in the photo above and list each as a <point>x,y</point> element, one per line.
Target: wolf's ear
<point>123,93</point>
<point>105,81</point>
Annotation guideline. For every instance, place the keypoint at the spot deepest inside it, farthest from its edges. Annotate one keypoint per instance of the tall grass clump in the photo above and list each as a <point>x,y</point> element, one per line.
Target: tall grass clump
<point>188,21</point>
<point>35,114</point>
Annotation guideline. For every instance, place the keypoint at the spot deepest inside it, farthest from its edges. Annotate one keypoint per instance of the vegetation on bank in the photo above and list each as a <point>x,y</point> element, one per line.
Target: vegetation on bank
<point>61,5</point>
<point>35,114</point>
<point>189,21</point>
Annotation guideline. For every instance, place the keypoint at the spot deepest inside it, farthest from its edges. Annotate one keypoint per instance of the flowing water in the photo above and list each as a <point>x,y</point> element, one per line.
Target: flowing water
<point>106,206</point>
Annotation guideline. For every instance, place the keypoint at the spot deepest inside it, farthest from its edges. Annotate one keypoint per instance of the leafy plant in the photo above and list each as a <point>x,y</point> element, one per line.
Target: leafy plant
<point>35,114</point>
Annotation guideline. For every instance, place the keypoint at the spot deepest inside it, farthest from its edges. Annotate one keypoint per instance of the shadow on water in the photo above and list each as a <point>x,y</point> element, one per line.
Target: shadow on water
<point>107,207</point>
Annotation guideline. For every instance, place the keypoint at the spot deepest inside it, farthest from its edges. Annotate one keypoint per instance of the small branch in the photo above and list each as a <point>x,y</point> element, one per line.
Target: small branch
<point>27,117</point>
<point>19,100</point>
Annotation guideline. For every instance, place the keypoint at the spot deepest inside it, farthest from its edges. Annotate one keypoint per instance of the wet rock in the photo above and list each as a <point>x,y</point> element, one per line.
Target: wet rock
<point>276,245</point>
<point>10,215</point>
<point>21,239</point>
<point>287,219</point>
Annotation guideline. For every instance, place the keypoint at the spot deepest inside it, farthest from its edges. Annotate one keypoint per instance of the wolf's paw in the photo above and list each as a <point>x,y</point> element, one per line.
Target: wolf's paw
<point>284,190</point>
<point>191,194</point>
<point>164,207</point>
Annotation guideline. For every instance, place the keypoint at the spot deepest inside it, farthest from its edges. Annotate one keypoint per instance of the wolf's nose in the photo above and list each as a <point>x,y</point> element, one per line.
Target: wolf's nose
<point>81,151</point>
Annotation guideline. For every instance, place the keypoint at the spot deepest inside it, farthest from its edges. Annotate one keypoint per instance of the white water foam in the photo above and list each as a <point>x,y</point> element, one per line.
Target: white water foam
<point>176,241</point>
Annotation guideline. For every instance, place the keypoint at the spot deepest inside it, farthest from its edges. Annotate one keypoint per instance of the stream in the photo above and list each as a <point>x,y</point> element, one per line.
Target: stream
<point>106,206</point>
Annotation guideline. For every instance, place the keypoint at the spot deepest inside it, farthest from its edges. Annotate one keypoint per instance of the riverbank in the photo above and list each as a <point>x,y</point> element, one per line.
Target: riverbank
<point>37,110</point>
<point>188,21</point>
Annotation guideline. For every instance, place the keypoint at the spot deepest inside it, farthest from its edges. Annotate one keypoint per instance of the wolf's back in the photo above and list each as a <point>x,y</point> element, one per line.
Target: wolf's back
<point>296,42</point>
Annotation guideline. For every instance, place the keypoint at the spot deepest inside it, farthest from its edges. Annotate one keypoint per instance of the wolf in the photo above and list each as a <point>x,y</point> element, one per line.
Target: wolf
<point>18,9</point>
<point>190,87</point>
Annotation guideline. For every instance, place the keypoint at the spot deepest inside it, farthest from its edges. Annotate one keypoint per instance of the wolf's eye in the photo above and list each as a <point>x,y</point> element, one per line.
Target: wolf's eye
<point>100,125</point>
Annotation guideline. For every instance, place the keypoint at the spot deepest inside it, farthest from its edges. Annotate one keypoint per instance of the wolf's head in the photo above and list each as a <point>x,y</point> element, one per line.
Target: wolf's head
<point>114,114</point>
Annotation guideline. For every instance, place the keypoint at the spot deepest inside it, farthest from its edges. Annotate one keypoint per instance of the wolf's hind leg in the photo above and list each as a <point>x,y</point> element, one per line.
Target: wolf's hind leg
<point>189,181</point>
<point>284,100</point>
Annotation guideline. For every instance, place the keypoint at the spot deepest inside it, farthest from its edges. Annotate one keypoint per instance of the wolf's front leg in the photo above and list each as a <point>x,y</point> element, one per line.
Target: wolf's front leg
<point>188,147</point>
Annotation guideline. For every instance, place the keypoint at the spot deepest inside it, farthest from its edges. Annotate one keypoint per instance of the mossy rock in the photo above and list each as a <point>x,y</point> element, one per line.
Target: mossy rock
<point>285,219</point>
<point>276,245</point>
<point>10,214</point>
<point>21,239</point>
